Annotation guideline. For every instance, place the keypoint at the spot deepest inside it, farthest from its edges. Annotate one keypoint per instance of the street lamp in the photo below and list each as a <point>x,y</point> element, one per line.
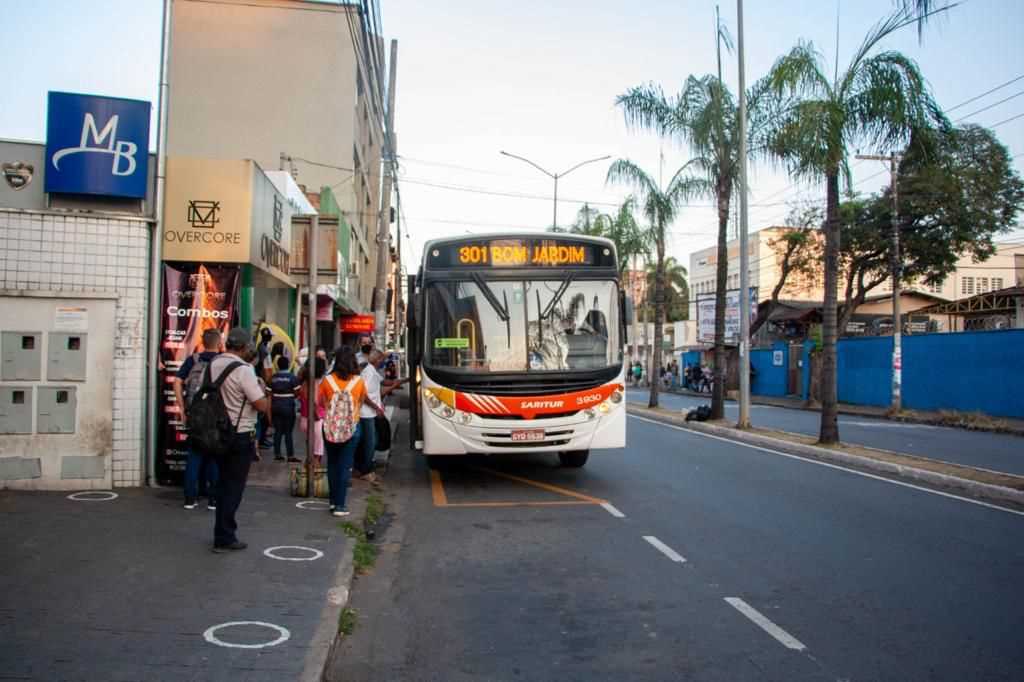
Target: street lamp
<point>555,176</point>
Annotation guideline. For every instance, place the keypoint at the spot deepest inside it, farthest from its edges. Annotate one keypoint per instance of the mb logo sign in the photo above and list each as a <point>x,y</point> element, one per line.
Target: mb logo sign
<point>96,145</point>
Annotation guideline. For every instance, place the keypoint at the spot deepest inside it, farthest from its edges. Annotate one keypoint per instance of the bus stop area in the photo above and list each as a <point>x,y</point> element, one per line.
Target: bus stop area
<point>126,587</point>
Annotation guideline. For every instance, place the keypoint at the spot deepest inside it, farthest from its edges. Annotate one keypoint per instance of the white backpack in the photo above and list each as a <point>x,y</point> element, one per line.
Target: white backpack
<point>342,417</point>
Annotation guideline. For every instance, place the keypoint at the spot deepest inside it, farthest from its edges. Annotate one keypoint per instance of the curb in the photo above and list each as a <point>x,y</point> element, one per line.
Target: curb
<point>325,638</point>
<point>856,411</point>
<point>985,491</point>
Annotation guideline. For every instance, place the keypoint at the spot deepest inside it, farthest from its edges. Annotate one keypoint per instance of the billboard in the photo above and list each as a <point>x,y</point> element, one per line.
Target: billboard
<point>706,315</point>
<point>195,298</point>
<point>96,145</point>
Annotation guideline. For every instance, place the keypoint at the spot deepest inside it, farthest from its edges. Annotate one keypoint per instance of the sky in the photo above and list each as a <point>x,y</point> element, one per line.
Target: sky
<point>539,80</point>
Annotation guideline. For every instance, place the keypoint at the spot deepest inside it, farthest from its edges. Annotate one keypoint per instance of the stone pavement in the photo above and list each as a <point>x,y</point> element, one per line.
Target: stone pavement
<point>125,589</point>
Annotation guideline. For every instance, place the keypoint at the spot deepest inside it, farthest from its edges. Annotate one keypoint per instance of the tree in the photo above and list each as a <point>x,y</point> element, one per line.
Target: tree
<point>677,290</point>
<point>660,208</point>
<point>704,116</point>
<point>957,190</point>
<point>590,221</point>
<point>879,99</point>
<point>797,248</point>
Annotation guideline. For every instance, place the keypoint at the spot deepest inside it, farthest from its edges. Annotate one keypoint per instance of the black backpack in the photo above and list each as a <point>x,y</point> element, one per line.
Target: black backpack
<point>209,425</point>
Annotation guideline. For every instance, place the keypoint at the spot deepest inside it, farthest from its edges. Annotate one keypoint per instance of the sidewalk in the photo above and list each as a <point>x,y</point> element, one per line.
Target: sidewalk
<point>128,589</point>
<point>958,419</point>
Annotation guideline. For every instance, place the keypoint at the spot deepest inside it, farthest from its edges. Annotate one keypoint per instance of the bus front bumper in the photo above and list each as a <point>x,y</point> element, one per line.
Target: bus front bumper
<point>482,435</point>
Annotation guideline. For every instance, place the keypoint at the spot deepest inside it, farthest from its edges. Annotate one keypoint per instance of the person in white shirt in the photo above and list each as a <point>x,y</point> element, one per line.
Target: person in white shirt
<point>372,406</point>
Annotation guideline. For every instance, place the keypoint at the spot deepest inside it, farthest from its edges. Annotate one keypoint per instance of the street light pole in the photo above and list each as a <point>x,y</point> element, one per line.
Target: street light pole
<point>555,176</point>
<point>744,344</point>
<point>897,327</point>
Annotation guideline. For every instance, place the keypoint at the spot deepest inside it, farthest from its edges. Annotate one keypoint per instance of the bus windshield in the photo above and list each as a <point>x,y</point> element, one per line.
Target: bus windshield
<point>522,326</point>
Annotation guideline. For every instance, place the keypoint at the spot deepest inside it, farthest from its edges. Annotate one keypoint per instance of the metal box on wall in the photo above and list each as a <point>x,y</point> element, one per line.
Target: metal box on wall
<point>22,356</point>
<point>15,409</point>
<point>66,354</point>
<point>56,409</point>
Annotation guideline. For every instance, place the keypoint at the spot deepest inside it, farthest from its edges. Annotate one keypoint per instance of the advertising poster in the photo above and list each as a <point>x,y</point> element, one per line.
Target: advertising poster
<point>195,298</point>
<point>706,315</point>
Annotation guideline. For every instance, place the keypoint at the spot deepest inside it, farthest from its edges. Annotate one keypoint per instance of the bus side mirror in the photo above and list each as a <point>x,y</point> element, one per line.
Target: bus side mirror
<point>627,309</point>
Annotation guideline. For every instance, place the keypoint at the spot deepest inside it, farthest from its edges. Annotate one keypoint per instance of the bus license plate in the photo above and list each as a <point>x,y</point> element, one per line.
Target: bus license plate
<point>527,435</point>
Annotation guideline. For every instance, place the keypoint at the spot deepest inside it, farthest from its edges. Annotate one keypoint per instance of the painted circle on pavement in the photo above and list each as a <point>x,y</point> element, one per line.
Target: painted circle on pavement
<point>272,553</point>
<point>108,495</point>
<point>211,634</point>
<point>317,504</point>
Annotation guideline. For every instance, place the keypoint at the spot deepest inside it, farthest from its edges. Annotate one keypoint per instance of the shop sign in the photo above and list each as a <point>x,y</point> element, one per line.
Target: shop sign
<point>96,145</point>
<point>324,309</point>
<point>18,174</point>
<point>355,324</point>
<point>195,298</point>
<point>706,315</point>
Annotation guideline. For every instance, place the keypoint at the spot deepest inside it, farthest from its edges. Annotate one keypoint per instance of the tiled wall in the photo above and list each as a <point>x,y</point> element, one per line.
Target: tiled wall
<point>73,252</point>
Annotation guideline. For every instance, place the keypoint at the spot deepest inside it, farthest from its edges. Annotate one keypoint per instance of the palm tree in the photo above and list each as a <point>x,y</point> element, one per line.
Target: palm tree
<point>877,101</point>
<point>660,208</point>
<point>677,289</point>
<point>704,115</point>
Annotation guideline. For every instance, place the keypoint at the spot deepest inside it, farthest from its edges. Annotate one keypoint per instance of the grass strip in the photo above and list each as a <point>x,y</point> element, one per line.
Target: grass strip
<point>347,621</point>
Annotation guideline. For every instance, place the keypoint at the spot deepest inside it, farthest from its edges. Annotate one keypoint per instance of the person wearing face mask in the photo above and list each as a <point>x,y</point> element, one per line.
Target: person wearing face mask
<point>365,346</point>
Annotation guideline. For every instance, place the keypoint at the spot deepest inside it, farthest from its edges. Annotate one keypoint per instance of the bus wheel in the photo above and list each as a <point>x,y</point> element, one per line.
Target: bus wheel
<point>573,458</point>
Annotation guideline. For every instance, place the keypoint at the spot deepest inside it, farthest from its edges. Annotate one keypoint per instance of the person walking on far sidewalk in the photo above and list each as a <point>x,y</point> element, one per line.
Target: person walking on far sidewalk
<point>243,398</point>
<point>282,403</point>
<point>341,395</point>
<point>186,384</point>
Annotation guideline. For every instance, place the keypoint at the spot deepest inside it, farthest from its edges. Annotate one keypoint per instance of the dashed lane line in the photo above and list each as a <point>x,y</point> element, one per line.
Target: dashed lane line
<point>787,640</point>
<point>832,466</point>
<point>610,508</point>
<point>665,549</point>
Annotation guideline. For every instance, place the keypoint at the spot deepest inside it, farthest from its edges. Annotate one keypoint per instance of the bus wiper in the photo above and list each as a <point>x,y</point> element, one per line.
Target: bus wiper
<point>557,297</point>
<point>491,298</point>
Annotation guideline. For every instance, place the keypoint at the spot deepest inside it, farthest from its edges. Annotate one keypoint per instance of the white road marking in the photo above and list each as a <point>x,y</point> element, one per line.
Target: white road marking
<point>77,497</point>
<point>832,466</point>
<point>312,504</point>
<point>210,635</point>
<point>272,553</point>
<point>787,640</point>
<point>612,510</point>
<point>888,425</point>
<point>665,549</point>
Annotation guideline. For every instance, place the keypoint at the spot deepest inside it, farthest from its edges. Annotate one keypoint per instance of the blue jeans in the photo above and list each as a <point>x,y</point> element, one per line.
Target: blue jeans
<point>284,424</point>
<point>339,467</point>
<point>367,445</point>
<point>195,462</point>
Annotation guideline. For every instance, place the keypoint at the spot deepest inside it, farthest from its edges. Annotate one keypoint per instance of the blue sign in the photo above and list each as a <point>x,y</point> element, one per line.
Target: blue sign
<point>96,145</point>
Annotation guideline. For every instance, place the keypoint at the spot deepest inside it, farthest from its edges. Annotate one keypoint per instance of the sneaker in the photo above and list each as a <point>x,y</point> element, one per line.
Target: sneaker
<point>234,546</point>
<point>211,505</point>
<point>256,457</point>
<point>278,458</point>
<point>340,512</point>
<point>294,459</point>
<point>332,508</point>
<point>370,477</point>
<point>190,503</point>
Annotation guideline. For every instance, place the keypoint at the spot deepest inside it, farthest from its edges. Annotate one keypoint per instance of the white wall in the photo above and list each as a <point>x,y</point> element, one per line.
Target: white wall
<point>50,253</point>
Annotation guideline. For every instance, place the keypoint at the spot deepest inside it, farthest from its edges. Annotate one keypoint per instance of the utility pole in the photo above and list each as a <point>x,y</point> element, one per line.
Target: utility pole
<point>384,220</point>
<point>398,269</point>
<point>897,267</point>
<point>744,345</point>
<point>312,264</point>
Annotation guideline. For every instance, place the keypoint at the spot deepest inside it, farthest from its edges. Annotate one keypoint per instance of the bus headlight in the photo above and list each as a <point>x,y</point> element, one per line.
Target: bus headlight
<point>590,412</point>
<point>464,418</point>
<point>604,408</point>
<point>616,396</point>
<point>432,402</point>
<point>447,412</point>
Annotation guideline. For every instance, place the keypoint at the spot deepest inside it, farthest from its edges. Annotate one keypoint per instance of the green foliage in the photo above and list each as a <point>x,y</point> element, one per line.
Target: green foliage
<point>677,291</point>
<point>375,508</point>
<point>347,621</point>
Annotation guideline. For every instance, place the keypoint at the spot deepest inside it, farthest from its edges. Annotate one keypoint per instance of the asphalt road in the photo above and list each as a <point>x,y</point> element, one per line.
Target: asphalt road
<point>715,561</point>
<point>996,451</point>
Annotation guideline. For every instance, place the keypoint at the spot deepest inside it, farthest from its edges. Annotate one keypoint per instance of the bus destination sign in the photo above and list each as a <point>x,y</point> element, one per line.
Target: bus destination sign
<point>520,253</point>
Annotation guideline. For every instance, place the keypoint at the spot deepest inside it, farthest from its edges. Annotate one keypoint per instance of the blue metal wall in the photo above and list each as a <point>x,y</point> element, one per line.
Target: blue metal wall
<point>864,371</point>
<point>967,371</point>
<point>768,378</point>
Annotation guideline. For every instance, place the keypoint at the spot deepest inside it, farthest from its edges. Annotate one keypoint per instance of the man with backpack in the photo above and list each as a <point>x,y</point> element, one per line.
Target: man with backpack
<point>186,384</point>
<point>223,423</point>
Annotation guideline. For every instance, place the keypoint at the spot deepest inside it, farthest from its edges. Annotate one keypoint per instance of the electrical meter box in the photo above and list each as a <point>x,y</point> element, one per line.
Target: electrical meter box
<point>66,355</point>
<point>55,412</point>
<point>15,409</point>
<point>21,355</point>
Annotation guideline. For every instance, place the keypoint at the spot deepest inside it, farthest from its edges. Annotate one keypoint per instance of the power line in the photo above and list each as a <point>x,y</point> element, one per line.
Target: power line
<point>987,92</point>
<point>991,106</point>
<point>1012,118</point>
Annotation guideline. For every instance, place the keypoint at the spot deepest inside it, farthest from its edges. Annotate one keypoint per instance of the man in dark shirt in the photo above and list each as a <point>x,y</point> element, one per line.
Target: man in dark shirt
<point>186,384</point>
